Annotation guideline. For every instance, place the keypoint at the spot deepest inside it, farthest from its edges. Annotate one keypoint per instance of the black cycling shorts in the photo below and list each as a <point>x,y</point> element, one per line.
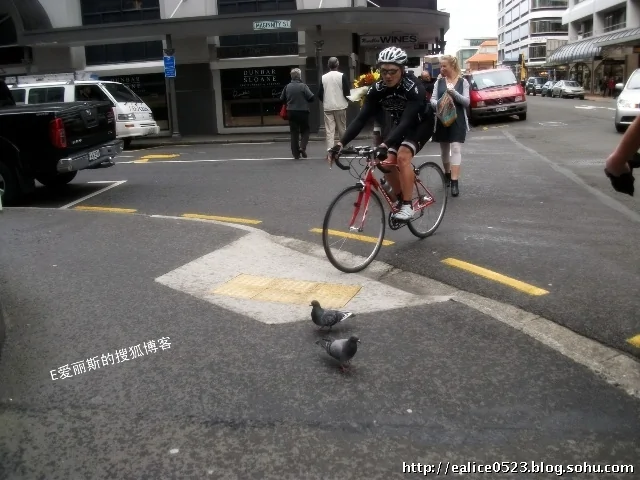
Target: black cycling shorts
<point>417,137</point>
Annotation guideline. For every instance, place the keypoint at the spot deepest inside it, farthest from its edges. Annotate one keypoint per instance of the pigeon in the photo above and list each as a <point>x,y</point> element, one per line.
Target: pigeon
<point>327,318</point>
<point>342,349</point>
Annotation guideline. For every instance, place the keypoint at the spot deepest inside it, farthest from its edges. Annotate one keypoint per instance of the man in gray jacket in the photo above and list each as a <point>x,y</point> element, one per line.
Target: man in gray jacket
<point>298,96</point>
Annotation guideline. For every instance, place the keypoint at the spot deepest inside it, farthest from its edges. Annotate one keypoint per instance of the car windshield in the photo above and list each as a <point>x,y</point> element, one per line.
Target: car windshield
<point>121,93</point>
<point>496,78</point>
<point>571,84</point>
<point>634,81</point>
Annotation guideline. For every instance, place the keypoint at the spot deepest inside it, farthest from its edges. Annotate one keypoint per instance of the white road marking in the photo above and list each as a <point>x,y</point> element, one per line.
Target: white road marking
<point>604,198</point>
<point>102,190</point>
<point>203,275</point>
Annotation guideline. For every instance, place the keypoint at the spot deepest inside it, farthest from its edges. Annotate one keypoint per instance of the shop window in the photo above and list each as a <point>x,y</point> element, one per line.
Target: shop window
<point>226,7</point>
<point>251,96</point>
<point>151,88</point>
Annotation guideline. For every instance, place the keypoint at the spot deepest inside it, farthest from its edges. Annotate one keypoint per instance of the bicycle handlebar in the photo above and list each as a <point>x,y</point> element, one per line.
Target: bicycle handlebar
<point>360,151</point>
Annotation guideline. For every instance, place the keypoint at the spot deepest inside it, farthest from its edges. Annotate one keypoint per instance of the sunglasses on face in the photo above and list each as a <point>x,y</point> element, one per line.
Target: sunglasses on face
<point>393,71</point>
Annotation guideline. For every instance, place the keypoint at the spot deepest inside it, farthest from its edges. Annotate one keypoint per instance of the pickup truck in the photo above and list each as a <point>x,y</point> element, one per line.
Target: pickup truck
<point>51,142</point>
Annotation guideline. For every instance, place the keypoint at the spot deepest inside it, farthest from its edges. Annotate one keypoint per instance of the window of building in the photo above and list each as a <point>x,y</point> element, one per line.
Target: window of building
<point>258,45</point>
<point>226,7</point>
<point>545,26</point>
<point>538,4</point>
<point>100,12</point>
<point>251,96</point>
<point>615,20</point>
<point>537,52</point>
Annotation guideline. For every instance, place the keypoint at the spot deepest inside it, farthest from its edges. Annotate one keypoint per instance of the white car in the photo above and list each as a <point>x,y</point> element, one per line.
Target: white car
<point>134,118</point>
<point>628,103</point>
<point>567,89</point>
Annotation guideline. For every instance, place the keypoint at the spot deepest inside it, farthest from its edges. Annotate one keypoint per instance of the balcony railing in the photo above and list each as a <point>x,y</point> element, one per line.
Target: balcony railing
<point>540,4</point>
<point>613,28</point>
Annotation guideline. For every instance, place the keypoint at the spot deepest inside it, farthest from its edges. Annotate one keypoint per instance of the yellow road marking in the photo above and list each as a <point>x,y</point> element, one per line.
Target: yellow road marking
<point>353,236</point>
<point>285,290</point>
<point>106,209</point>
<point>497,277</point>
<point>158,156</point>
<point>221,219</point>
<point>635,341</point>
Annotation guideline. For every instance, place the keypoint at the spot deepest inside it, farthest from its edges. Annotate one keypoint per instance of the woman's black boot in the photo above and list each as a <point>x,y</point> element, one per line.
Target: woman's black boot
<point>454,188</point>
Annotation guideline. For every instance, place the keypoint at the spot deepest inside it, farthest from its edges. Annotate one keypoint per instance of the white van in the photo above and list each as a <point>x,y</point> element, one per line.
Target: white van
<point>134,118</point>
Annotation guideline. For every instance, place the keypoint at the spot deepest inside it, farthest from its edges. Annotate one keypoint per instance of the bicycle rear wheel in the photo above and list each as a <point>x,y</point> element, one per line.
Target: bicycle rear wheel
<point>429,199</point>
<point>345,242</point>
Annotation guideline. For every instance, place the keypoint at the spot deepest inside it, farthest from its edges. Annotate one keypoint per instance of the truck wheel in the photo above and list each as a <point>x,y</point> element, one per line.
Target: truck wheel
<point>9,185</point>
<point>56,180</point>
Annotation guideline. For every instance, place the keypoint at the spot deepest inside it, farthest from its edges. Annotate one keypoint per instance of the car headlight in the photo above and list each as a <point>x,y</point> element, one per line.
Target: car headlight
<point>518,98</point>
<point>623,103</point>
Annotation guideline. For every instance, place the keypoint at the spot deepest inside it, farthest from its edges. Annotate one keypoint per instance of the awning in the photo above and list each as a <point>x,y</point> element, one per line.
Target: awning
<point>573,52</point>
<point>357,20</point>
<point>631,35</point>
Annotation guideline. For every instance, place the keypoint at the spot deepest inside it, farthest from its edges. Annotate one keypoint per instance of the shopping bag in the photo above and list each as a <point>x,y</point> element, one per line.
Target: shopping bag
<point>446,110</point>
<point>283,112</point>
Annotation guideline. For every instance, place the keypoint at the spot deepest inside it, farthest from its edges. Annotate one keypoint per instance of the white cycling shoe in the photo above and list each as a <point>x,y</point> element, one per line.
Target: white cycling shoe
<point>405,214</point>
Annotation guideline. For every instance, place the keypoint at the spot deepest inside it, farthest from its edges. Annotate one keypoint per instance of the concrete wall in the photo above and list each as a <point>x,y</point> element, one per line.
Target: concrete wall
<point>195,98</point>
<point>63,13</point>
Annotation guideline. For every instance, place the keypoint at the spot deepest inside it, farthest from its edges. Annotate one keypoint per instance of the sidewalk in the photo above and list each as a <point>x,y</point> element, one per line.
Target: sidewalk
<point>600,98</point>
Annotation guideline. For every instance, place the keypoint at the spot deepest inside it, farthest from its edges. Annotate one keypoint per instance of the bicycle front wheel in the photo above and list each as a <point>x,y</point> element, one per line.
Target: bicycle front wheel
<point>353,229</point>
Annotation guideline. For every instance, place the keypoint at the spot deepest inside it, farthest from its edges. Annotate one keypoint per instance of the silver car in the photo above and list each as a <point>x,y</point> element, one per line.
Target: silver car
<point>628,103</point>
<point>567,89</point>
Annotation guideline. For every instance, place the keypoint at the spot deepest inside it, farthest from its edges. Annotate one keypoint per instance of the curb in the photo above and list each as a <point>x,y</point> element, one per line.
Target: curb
<point>186,141</point>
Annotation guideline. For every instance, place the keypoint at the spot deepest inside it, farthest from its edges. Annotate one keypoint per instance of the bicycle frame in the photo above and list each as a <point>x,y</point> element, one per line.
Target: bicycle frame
<point>369,181</point>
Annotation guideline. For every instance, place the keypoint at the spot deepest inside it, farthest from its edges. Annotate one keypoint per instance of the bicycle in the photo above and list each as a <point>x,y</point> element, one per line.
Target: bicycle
<point>366,188</point>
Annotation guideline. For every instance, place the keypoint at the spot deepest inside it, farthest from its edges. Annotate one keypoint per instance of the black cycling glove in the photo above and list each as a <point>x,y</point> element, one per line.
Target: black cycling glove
<point>624,183</point>
<point>381,153</point>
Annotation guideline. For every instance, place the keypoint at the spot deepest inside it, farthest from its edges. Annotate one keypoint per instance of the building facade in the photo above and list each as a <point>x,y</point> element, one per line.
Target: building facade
<point>526,27</point>
<point>233,57</point>
<point>485,58</point>
<point>469,48</point>
<point>604,41</point>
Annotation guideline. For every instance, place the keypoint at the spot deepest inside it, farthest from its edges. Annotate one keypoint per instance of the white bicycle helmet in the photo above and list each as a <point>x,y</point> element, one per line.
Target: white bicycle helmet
<point>393,55</point>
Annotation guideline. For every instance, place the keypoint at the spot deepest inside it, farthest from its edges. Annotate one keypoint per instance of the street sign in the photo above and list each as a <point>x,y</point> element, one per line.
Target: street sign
<point>272,24</point>
<point>169,66</point>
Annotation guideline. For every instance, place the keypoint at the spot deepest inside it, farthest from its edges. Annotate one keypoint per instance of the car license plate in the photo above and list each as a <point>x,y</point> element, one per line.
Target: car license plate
<point>94,155</point>
<point>501,109</point>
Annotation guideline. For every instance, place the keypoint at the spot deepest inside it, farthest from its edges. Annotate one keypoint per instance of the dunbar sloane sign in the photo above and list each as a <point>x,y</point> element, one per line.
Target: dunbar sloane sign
<point>405,39</point>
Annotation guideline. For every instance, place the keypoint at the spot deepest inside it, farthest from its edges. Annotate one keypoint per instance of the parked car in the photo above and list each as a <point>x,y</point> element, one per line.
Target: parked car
<point>495,93</point>
<point>534,85</point>
<point>51,142</point>
<point>134,118</point>
<point>628,102</point>
<point>567,89</point>
<point>546,88</point>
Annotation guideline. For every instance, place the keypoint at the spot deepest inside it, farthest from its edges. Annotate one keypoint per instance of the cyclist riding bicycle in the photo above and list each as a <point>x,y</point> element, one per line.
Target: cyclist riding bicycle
<point>413,123</point>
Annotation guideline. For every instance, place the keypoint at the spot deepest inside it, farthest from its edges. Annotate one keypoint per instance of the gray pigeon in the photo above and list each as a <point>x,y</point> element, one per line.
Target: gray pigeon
<point>327,318</point>
<point>342,349</point>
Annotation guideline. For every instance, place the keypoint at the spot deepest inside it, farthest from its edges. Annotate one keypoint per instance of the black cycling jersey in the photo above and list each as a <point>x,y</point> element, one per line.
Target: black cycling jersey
<point>406,103</point>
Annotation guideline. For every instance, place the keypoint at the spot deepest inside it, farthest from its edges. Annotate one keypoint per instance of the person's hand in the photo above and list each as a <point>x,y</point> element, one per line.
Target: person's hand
<point>619,174</point>
<point>382,151</point>
<point>333,152</point>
